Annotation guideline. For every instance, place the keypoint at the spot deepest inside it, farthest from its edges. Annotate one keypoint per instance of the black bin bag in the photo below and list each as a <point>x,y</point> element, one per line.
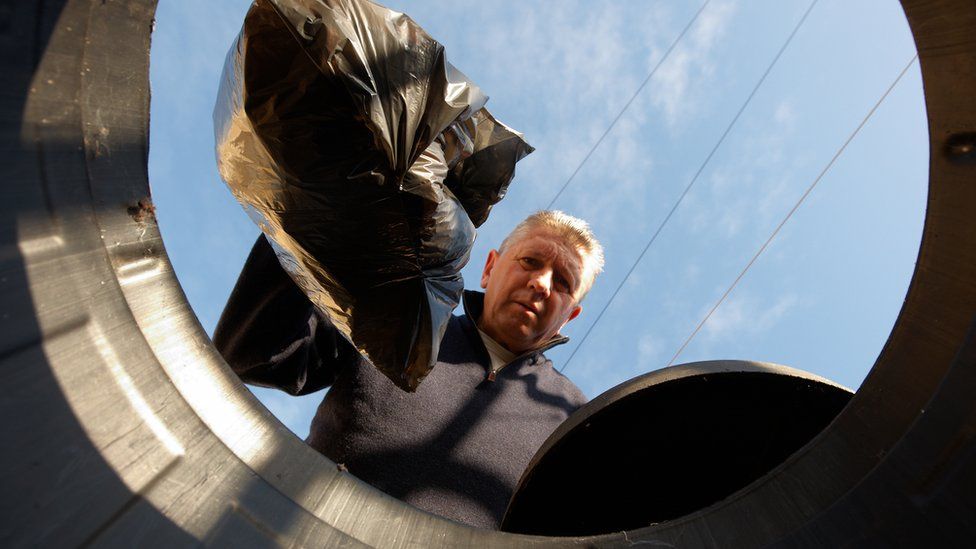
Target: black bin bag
<point>368,161</point>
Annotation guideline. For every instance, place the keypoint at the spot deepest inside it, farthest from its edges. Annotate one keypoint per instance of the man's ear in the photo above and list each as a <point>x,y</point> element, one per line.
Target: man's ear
<point>576,312</point>
<point>489,265</point>
<point>573,314</point>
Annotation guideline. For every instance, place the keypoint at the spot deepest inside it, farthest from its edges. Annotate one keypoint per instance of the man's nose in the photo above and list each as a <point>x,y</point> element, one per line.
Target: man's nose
<point>541,282</point>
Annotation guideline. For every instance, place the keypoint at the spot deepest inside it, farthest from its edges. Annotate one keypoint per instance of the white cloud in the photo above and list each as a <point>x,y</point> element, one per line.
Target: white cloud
<point>682,79</point>
<point>785,114</point>
<point>752,184</point>
<point>649,351</point>
<point>746,315</point>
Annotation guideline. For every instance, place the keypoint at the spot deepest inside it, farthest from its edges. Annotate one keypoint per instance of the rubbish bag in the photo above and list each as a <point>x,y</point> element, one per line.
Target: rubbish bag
<point>368,161</point>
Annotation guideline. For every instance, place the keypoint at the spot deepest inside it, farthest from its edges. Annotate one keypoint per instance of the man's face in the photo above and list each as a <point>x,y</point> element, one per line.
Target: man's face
<point>531,290</point>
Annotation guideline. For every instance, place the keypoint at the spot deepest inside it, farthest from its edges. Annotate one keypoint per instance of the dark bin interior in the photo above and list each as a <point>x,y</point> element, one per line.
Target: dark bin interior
<point>659,452</point>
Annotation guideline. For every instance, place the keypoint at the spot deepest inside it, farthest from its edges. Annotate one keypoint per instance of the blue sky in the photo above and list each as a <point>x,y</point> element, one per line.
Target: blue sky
<point>821,298</point>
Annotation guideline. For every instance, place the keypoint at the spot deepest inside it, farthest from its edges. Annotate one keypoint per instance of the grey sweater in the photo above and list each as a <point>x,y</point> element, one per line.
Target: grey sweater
<point>456,447</point>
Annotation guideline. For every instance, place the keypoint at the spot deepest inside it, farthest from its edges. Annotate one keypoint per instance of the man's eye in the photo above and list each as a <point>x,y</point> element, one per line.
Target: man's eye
<point>562,285</point>
<point>529,262</point>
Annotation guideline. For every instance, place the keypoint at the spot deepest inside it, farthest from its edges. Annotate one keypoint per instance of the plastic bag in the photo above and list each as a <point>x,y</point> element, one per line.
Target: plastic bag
<point>368,161</point>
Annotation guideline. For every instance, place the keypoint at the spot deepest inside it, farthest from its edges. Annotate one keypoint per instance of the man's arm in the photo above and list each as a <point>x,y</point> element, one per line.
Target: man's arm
<point>271,335</point>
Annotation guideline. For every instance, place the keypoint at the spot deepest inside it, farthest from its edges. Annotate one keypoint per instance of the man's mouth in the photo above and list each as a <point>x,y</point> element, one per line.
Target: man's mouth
<point>529,308</point>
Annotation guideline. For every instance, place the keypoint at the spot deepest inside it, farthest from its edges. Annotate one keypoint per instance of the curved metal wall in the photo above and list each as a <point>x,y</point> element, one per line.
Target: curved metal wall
<point>124,426</point>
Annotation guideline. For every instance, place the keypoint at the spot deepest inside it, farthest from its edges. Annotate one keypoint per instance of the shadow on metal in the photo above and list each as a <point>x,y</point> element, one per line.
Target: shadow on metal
<point>124,426</point>
<point>59,485</point>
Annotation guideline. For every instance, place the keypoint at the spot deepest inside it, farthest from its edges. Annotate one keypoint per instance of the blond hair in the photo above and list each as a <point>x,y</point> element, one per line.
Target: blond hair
<point>572,230</point>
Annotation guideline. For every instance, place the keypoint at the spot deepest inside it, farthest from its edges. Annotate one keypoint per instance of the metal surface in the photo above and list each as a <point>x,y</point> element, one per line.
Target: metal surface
<point>668,443</point>
<point>122,426</point>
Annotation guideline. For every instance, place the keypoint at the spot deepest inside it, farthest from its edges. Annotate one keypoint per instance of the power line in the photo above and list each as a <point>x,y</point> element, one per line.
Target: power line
<point>793,210</point>
<point>691,183</point>
<point>627,105</point>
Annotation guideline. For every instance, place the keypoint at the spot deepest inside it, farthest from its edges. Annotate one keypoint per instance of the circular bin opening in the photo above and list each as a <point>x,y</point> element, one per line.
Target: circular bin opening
<point>668,443</point>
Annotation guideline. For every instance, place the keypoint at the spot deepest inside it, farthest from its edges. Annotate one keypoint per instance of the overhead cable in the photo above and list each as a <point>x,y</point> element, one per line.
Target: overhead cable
<point>792,211</point>
<point>627,105</point>
<point>691,183</point>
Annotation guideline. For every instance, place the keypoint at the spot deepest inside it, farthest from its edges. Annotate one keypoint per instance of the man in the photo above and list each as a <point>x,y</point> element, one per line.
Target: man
<point>457,446</point>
